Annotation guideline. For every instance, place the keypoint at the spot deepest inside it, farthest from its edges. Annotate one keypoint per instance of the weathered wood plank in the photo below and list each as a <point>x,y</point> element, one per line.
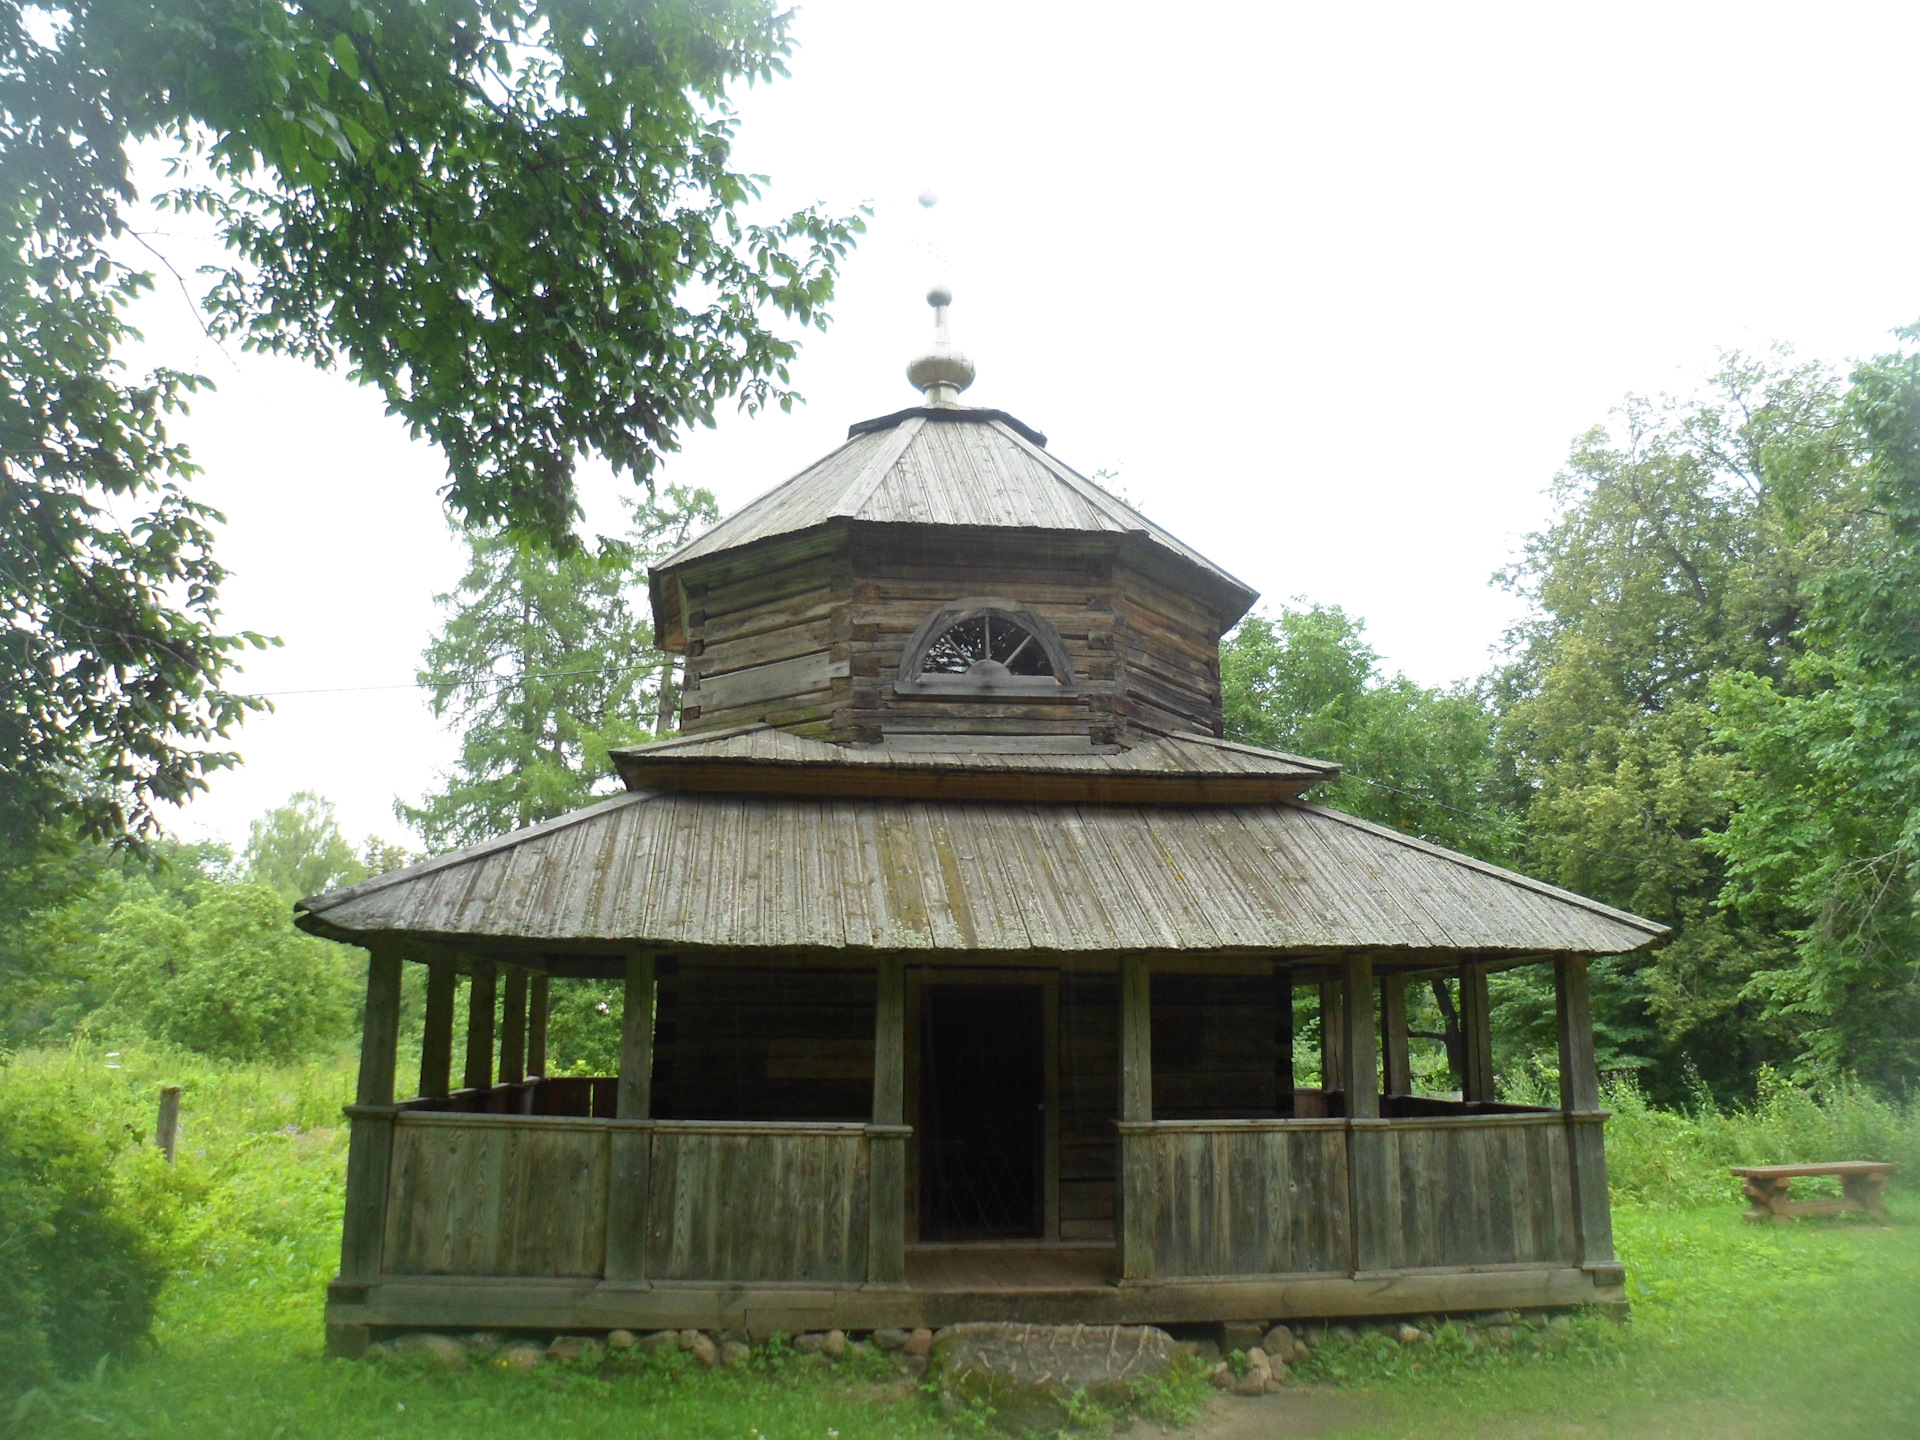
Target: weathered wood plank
<point>480,1002</point>
<point>436,1037</point>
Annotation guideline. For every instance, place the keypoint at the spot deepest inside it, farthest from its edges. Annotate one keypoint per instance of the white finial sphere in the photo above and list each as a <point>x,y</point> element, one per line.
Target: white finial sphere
<point>939,295</point>
<point>928,199</point>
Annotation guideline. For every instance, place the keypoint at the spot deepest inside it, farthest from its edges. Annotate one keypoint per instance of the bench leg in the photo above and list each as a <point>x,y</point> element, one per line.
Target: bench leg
<point>1869,1192</point>
<point>1769,1199</point>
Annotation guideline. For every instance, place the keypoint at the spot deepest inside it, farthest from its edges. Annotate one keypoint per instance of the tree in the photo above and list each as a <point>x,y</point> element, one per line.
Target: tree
<point>297,850</point>
<point>1414,758</point>
<point>1823,843</point>
<point>1684,548</point>
<point>516,218</point>
<point>545,664</point>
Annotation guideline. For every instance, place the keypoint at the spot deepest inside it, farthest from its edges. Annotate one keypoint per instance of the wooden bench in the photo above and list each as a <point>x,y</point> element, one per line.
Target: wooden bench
<point>1863,1184</point>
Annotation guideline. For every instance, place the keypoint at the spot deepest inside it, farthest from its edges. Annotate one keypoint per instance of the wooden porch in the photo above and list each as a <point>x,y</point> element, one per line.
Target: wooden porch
<point>551,1204</point>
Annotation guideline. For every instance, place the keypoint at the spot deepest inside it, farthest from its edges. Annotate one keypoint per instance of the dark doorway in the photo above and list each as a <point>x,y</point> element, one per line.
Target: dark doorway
<point>982,1112</point>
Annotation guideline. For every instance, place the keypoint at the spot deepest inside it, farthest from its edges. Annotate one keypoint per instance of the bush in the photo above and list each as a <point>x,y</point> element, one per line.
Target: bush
<point>78,1273</point>
<point>1670,1157</point>
<point>226,976</point>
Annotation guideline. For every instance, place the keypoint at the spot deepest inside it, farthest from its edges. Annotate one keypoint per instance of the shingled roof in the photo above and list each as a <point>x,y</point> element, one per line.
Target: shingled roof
<point>941,466</point>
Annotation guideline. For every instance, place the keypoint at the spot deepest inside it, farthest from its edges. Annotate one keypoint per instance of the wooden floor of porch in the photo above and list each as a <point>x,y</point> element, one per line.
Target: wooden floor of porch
<point>1009,1267</point>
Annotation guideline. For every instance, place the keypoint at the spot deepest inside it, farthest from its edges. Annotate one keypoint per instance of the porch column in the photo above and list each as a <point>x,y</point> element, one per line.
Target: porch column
<point>887,1135</point>
<point>480,993</point>
<point>370,1140</point>
<point>436,1040</point>
<point>1133,1197</point>
<point>1580,1101</point>
<point>1361,1079</point>
<point>1396,1065</point>
<point>631,1139</point>
<point>1476,1032</point>
<point>1282,1038</point>
<point>513,1027</point>
<point>537,1001</point>
<point>1333,1030</point>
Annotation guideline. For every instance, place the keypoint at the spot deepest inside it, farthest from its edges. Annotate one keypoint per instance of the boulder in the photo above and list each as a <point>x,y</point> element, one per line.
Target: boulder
<point>688,1338</point>
<point>522,1355</point>
<point>1411,1335</point>
<point>486,1342</point>
<point>920,1342</point>
<point>621,1340</point>
<point>1279,1344</point>
<point>811,1343</point>
<point>575,1347</point>
<point>704,1350</point>
<point>1029,1374</point>
<point>1241,1335</point>
<point>834,1344</point>
<point>734,1353</point>
<point>442,1350</point>
<point>891,1339</point>
<point>660,1340</point>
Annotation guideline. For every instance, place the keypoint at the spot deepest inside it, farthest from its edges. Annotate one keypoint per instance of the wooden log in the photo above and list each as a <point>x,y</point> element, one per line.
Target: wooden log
<point>480,999</point>
<point>513,1027</point>
<point>370,1138</point>
<point>538,999</point>
<point>1580,1100</point>
<point>887,1159</point>
<point>166,1127</point>
<point>1476,1025</point>
<point>1333,1030</point>
<point>1361,1076</point>
<point>1134,1199</point>
<point>1283,1037</point>
<point>1396,1065</point>
<point>636,1039</point>
<point>436,1038</point>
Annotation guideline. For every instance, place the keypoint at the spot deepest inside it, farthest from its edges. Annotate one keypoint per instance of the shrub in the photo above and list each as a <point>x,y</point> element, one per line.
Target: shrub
<point>78,1273</point>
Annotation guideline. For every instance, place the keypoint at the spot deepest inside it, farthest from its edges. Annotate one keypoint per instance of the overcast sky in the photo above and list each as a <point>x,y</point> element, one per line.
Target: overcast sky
<point>1330,287</point>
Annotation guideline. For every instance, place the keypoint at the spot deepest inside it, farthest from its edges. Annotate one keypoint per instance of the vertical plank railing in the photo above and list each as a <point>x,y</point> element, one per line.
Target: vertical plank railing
<point>436,1036</point>
<point>1396,1066</point>
<point>630,1141</point>
<point>1476,1033</point>
<point>1134,1196</point>
<point>513,1027</point>
<point>887,1135</point>
<point>370,1138</point>
<point>480,997</point>
<point>1580,1101</point>
<point>537,1002</point>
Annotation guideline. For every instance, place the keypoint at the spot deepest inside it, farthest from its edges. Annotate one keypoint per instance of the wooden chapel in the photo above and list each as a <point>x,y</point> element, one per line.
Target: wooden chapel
<point>959,953</point>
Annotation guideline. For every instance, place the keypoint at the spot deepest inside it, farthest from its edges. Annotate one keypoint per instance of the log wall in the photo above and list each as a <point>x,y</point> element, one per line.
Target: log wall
<point>808,633</point>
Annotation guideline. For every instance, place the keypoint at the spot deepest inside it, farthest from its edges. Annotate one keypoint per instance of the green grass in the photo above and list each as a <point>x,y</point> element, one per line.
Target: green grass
<point>1776,1331</point>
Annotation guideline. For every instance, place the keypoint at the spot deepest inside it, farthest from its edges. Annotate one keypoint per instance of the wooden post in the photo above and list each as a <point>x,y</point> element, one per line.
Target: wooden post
<point>479,1073</point>
<point>370,1140</point>
<point>1396,1066</point>
<point>1580,1100</point>
<point>537,1002</point>
<point>513,1027</point>
<point>1361,1079</point>
<point>887,1137</point>
<point>630,1161</point>
<point>1282,1038</point>
<point>166,1126</point>
<point>1333,1033</point>
<point>1134,1196</point>
<point>1476,1026</point>
<point>636,1040</point>
<point>436,1040</point>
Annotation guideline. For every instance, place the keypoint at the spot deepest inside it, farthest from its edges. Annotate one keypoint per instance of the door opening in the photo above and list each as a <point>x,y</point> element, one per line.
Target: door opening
<point>982,1112</point>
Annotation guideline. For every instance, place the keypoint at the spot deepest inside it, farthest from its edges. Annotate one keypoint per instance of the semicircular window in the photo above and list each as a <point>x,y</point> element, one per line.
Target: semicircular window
<point>983,647</point>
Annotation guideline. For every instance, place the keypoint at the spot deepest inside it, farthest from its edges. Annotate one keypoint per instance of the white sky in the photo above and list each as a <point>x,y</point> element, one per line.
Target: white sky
<point>1331,287</point>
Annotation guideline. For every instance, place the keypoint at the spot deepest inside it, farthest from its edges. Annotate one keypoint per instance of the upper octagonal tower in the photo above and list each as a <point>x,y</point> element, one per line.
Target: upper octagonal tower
<point>940,576</point>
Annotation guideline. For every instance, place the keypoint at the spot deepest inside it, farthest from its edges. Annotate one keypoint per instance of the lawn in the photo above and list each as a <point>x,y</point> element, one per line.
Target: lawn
<point>1738,1330</point>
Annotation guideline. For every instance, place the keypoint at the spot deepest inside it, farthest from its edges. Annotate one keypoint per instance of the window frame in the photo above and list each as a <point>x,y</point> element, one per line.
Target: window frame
<point>1063,683</point>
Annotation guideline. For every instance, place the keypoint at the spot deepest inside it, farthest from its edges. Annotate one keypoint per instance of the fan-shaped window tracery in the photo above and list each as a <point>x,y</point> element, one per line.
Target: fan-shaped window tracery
<point>986,646</point>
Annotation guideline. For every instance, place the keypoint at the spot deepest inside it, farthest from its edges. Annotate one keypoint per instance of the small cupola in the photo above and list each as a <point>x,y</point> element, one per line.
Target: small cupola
<point>941,581</point>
